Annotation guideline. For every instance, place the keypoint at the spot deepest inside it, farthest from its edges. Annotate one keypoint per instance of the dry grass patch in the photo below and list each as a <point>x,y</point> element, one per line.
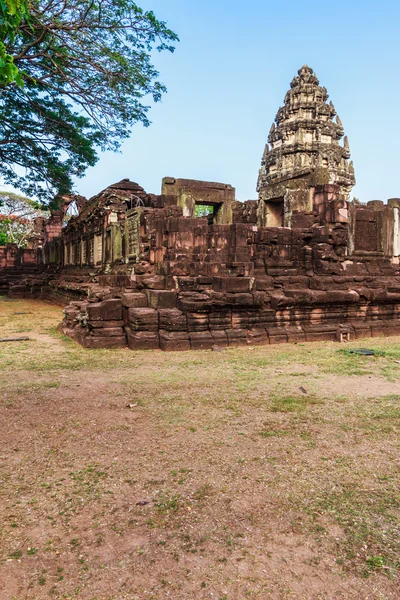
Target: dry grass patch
<point>266,472</point>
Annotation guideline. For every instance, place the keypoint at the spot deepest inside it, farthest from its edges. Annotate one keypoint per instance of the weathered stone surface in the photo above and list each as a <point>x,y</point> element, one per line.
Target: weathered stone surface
<point>174,340</point>
<point>220,337</point>
<point>172,319</point>
<point>231,284</point>
<point>108,332</point>
<point>201,340</point>
<point>197,321</point>
<point>257,337</point>
<point>154,282</point>
<point>103,342</point>
<point>194,301</point>
<point>236,337</point>
<point>220,319</point>
<point>143,319</point>
<point>108,310</point>
<point>134,300</point>
<point>161,298</point>
<point>143,340</point>
<point>238,299</point>
<point>105,324</point>
<point>315,333</point>
<point>277,335</point>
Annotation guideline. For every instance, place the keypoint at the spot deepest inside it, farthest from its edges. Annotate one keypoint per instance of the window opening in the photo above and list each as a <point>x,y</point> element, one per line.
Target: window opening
<point>134,202</point>
<point>205,211</point>
<point>72,211</point>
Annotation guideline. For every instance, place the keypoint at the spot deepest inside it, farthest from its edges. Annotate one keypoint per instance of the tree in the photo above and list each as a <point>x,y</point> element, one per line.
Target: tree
<point>11,14</point>
<point>17,215</point>
<point>86,66</point>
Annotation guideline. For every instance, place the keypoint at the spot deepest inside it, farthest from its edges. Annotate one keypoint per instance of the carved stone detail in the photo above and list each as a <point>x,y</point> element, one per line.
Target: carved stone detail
<point>304,142</point>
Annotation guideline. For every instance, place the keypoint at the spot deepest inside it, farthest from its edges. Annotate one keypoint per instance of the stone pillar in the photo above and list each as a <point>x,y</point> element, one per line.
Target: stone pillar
<point>132,233</point>
<point>116,242</point>
<point>394,229</point>
<point>98,249</point>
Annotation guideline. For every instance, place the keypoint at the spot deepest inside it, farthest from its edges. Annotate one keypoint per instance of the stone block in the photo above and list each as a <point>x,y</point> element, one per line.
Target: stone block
<point>237,337</point>
<point>105,324</point>
<point>143,319</point>
<point>194,301</point>
<point>197,321</point>
<point>152,282</point>
<point>70,314</point>
<point>257,337</point>
<point>107,310</point>
<point>318,333</point>
<point>263,284</point>
<point>239,299</point>
<point>266,317</point>
<point>103,342</point>
<point>362,330</point>
<point>220,320</point>
<point>342,297</point>
<point>161,298</point>
<point>220,338</point>
<point>240,319</point>
<point>279,300</point>
<point>107,332</point>
<point>231,284</point>
<point>174,340</point>
<point>201,340</point>
<point>305,296</point>
<point>295,334</point>
<point>172,319</point>
<point>134,300</point>
<point>277,335</point>
<point>260,299</point>
<point>379,329</point>
<point>142,340</point>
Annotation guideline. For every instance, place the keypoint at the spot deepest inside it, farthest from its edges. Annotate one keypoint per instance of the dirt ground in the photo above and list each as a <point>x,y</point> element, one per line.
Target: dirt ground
<point>260,473</point>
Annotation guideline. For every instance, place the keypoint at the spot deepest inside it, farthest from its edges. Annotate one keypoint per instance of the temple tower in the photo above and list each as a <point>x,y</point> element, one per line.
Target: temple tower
<point>304,152</point>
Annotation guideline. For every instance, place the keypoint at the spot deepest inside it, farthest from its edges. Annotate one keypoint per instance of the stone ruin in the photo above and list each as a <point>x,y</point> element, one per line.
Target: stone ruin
<point>193,268</point>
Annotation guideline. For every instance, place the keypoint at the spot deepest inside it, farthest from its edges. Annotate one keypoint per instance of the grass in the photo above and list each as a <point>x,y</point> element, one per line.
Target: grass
<point>369,518</point>
<point>224,472</point>
<point>37,355</point>
<point>293,403</point>
<point>167,503</point>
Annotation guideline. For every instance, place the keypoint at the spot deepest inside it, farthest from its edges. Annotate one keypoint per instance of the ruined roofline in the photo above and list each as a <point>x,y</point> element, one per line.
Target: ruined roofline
<point>122,189</point>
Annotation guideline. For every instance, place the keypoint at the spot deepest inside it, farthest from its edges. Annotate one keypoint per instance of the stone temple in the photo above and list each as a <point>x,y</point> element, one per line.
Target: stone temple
<point>192,267</point>
<point>304,150</point>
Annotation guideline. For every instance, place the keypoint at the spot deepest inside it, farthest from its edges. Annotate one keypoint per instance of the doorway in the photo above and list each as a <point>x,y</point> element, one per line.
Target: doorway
<point>274,212</point>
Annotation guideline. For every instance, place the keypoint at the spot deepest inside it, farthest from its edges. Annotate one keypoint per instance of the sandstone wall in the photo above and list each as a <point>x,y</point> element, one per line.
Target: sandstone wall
<point>196,286</point>
<point>138,273</point>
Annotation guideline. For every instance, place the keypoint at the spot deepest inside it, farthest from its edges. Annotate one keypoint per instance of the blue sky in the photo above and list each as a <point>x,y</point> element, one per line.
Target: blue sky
<point>230,73</point>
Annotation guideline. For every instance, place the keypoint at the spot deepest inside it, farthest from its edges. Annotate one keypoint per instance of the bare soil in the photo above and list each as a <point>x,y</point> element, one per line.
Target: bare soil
<point>268,473</point>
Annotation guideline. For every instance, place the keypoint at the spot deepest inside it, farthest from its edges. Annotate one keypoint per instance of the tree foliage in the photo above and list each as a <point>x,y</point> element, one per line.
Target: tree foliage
<point>11,14</point>
<point>87,70</point>
<point>17,215</point>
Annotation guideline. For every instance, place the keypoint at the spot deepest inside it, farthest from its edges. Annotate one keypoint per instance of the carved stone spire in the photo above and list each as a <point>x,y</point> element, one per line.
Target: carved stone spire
<point>305,142</point>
